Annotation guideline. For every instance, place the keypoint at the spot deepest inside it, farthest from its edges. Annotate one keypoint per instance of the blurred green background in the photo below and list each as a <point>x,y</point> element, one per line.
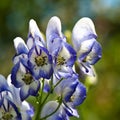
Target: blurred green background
<point>103,99</point>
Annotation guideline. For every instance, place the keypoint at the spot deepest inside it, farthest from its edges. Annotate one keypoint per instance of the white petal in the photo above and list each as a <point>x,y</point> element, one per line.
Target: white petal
<point>33,28</point>
<point>30,42</point>
<point>64,53</point>
<point>17,41</point>
<point>82,29</point>
<point>54,26</point>
<point>85,46</point>
<point>85,21</point>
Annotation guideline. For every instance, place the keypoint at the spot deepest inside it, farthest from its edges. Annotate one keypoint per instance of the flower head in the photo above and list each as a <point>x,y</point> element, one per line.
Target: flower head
<point>84,42</point>
<point>62,53</point>
<point>22,78</point>
<point>66,87</point>
<point>40,62</point>
<point>51,107</point>
<point>52,67</point>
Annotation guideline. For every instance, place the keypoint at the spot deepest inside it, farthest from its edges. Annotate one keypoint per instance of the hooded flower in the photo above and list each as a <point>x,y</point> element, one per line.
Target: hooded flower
<point>73,93</point>
<point>65,106</point>
<point>40,62</point>
<point>66,87</point>
<point>84,42</point>
<point>22,78</point>
<point>51,107</point>
<point>62,53</point>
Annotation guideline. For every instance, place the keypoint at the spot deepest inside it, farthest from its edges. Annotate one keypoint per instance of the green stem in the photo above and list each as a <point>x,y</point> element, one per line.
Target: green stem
<point>39,98</point>
<point>57,83</point>
<point>52,88</point>
<point>40,103</point>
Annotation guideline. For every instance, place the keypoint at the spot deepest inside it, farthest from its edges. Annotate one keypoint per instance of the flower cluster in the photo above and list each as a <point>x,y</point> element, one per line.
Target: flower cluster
<point>53,67</point>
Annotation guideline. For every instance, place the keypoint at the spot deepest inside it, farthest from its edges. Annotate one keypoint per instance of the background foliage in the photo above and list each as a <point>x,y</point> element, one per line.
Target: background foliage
<point>103,100</point>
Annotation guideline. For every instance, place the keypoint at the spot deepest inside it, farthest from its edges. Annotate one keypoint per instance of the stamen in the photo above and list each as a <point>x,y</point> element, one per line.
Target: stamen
<point>27,78</point>
<point>6,116</point>
<point>41,60</point>
<point>60,60</point>
<point>72,98</point>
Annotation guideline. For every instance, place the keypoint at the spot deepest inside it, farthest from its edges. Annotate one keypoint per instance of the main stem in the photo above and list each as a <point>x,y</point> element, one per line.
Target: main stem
<point>39,107</point>
<point>40,103</point>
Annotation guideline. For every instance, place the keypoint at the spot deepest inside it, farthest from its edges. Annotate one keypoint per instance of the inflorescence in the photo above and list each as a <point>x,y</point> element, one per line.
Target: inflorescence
<point>51,67</point>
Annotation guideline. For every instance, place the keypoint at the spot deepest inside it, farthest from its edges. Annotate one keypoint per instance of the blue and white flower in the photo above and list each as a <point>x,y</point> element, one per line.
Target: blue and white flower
<point>66,87</point>
<point>22,78</point>
<point>51,107</point>
<point>63,109</point>
<point>84,42</point>
<point>64,60</point>
<point>63,54</point>
<point>79,95</point>
<point>73,93</point>
<point>40,62</point>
